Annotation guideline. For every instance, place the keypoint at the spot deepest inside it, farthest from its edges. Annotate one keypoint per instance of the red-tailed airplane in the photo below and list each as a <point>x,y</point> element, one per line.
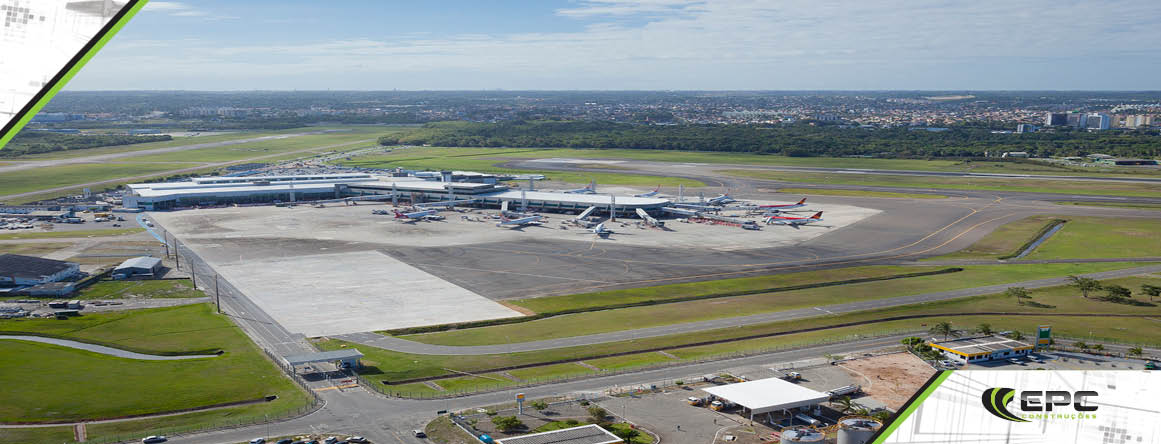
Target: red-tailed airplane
<point>418,215</point>
<point>800,204</point>
<point>649,194</point>
<point>794,221</point>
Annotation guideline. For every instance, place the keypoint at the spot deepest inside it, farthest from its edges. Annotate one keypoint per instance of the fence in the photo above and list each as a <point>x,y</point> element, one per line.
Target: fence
<point>509,385</point>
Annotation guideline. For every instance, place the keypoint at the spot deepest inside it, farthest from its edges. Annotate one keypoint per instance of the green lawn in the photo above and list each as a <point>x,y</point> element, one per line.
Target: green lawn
<point>1097,237</point>
<point>629,361</point>
<point>38,435</point>
<point>1137,206</point>
<point>268,147</point>
<point>33,179</point>
<point>694,289</point>
<point>859,193</point>
<point>115,387</point>
<point>1057,300</point>
<point>36,249</point>
<point>1005,240</point>
<point>959,183</point>
<point>177,141</point>
<point>490,381</point>
<point>71,234</point>
<point>692,311</point>
<point>168,288</point>
<point>547,372</point>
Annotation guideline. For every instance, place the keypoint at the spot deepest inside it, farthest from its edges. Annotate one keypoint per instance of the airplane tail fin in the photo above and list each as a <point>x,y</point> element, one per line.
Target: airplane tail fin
<point>817,215</point>
<point>802,201</point>
<point>504,218</point>
<point>658,189</point>
<point>399,215</point>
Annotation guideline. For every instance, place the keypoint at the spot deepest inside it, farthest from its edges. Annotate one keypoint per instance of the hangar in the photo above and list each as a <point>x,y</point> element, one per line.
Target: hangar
<point>768,395</point>
<point>20,270</point>
<point>138,266</point>
<point>586,434</point>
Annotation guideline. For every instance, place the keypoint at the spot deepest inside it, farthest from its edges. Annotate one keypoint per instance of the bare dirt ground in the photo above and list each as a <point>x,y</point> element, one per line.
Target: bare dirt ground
<point>890,379</point>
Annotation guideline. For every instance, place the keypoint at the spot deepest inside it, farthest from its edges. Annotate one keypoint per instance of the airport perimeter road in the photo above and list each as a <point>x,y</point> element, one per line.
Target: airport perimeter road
<point>941,173</point>
<point>390,420</point>
<point>403,345</point>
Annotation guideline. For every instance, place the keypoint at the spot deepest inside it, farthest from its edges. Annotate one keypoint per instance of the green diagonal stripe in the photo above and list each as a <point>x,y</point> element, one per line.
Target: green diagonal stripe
<point>133,7</point>
<point>912,406</point>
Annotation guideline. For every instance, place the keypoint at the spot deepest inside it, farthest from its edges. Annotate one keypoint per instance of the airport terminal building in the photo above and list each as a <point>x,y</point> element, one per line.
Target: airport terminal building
<point>210,191</point>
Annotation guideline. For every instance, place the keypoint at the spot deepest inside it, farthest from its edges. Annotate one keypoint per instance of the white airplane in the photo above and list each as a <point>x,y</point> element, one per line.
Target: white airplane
<point>721,199</point>
<point>590,189</point>
<point>417,215</point>
<point>800,204</point>
<point>601,231</point>
<point>649,194</point>
<point>794,221</point>
<point>523,221</point>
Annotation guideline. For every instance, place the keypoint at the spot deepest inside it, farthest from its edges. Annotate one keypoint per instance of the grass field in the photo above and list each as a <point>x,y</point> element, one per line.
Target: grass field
<point>692,311</point>
<point>773,160</point>
<point>1056,300</point>
<point>70,234</point>
<point>1096,237</point>
<point>45,435</point>
<point>114,387</point>
<point>694,289</point>
<point>1003,241</point>
<point>859,193</point>
<point>268,147</point>
<point>1138,206</point>
<point>36,249</point>
<point>177,141</point>
<point>629,361</point>
<point>169,288</point>
<point>556,371</point>
<point>485,159</point>
<point>24,181</point>
<point>960,183</point>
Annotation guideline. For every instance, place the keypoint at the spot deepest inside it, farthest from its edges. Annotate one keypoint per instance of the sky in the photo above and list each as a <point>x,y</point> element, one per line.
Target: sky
<point>634,45</point>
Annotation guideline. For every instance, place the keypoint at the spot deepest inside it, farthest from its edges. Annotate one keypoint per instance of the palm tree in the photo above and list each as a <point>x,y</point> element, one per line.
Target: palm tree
<point>1136,351</point>
<point>1083,284</point>
<point>943,328</point>
<point>1098,347</point>
<point>985,329</point>
<point>1016,335</point>
<point>845,404</point>
<point>1080,344</point>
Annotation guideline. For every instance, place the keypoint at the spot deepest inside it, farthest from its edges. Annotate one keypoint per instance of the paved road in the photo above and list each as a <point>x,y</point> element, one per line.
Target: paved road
<point>943,173</point>
<point>102,349</point>
<point>406,346</point>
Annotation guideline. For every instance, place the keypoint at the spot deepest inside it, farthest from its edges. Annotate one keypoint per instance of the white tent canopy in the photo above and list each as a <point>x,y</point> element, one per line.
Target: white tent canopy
<point>768,395</point>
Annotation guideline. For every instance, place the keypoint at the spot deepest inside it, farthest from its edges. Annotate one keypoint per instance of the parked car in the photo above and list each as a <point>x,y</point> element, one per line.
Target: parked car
<point>331,440</point>
<point>153,439</point>
<point>358,439</point>
<point>258,441</point>
<point>419,433</point>
<point>285,441</point>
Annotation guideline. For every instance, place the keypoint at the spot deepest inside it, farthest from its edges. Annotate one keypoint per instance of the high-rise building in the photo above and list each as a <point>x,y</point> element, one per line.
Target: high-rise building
<point>1026,128</point>
<point>1055,119</point>
<point>1076,120</point>
<point>1096,121</point>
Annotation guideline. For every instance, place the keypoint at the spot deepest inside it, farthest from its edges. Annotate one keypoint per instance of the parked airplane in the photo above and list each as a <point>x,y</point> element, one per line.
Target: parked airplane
<point>721,199</point>
<point>601,231</point>
<point>523,221</point>
<point>649,194</point>
<point>417,215</point>
<point>794,221</point>
<point>591,189</point>
<point>800,204</point>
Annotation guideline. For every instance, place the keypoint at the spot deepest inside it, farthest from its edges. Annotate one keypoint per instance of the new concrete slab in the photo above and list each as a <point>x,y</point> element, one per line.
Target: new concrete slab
<point>329,294</point>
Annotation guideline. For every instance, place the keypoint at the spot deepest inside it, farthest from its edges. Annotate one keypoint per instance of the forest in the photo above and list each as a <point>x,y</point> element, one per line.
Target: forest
<point>794,140</point>
<point>36,142</point>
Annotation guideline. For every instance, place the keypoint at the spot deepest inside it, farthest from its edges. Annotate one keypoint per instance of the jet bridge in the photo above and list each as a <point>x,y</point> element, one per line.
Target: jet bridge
<point>649,219</point>
<point>587,212</point>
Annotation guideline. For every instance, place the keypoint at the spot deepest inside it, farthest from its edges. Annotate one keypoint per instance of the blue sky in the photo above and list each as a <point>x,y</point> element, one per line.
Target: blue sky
<point>634,44</point>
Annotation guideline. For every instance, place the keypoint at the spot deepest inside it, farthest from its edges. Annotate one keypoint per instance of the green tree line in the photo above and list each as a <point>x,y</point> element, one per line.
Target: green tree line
<point>36,142</point>
<point>795,140</point>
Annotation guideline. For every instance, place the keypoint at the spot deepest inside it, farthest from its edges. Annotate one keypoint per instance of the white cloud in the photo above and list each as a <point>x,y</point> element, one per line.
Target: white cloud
<point>180,9</point>
<point>673,44</point>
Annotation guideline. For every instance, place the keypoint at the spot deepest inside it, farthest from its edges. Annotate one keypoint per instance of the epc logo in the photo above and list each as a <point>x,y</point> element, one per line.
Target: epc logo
<point>1036,404</point>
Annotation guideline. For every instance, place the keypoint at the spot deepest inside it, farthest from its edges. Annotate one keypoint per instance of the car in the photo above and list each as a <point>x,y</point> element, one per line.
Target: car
<point>285,441</point>
<point>153,439</point>
<point>258,441</point>
<point>331,440</point>
<point>357,439</point>
<point>419,433</point>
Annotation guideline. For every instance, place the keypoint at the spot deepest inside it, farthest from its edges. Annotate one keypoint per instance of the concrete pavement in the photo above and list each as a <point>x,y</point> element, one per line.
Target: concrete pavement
<point>102,349</point>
